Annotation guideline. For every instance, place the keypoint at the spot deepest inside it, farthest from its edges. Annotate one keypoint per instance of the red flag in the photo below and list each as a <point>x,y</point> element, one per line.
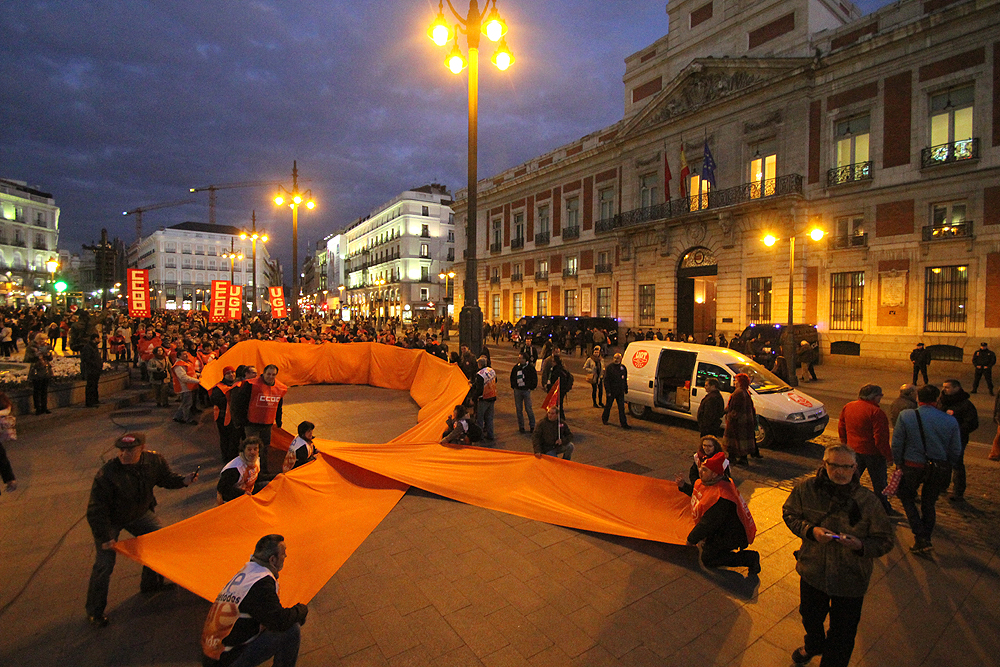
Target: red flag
<point>552,398</point>
<point>276,295</point>
<point>220,294</point>
<point>138,293</point>
<point>685,172</point>
<point>667,177</point>
<point>234,303</point>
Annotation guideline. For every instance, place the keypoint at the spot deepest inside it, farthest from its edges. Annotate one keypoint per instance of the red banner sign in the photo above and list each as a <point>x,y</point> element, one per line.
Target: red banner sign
<point>277,297</point>
<point>138,293</point>
<point>234,304</point>
<point>217,302</point>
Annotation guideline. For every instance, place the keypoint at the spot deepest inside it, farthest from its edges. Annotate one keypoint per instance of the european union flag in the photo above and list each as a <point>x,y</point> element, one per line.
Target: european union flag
<point>708,166</point>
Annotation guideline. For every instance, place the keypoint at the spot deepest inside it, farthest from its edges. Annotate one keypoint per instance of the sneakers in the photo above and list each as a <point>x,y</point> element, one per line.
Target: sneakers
<point>98,621</point>
<point>800,656</point>
<point>921,546</point>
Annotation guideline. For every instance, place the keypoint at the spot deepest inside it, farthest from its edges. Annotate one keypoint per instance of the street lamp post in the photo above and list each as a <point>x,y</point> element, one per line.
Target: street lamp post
<point>441,32</point>
<point>232,256</point>
<point>791,349</point>
<point>445,276</point>
<point>253,235</point>
<point>52,265</point>
<point>293,199</point>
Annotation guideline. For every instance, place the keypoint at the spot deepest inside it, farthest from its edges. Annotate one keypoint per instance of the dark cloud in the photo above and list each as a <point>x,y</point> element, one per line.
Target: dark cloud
<point>111,105</point>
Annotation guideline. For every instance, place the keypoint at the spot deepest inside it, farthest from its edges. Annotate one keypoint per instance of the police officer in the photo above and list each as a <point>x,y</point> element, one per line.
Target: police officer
<point>984,360</point>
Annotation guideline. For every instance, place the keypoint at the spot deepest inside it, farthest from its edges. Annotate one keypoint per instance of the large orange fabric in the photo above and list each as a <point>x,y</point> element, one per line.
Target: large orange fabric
<point>327,508</point>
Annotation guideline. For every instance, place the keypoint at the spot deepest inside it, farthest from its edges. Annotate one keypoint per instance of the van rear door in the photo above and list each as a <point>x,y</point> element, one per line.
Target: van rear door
<point>674,371</point>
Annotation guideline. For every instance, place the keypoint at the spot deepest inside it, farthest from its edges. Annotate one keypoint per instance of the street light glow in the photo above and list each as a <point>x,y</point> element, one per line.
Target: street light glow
<point>503,58</point>
<point>310,205</point>
<point>455,60</point>
<point>279,200</point>
<point>770,240</point>
<point>816,234</point>
<point>494,28</point>
<point>440,31</point>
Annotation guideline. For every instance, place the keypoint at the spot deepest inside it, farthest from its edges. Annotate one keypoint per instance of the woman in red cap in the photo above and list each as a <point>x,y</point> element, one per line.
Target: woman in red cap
<point>740,438</point>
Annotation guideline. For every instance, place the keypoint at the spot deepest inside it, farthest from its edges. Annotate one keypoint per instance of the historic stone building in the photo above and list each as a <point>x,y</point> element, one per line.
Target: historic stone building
<point>793,115</point>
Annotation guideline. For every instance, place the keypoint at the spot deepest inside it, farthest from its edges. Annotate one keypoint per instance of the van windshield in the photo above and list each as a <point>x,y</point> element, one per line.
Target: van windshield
<point>762,380</point>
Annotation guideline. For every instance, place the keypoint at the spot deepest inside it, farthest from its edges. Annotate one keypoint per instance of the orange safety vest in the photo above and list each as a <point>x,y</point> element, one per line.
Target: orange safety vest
<point>229,402</point>
<point>189,368</point>
<point>706,495</point>
<point>225,389</point>
<point>489,382</point>
<point>264,400</point>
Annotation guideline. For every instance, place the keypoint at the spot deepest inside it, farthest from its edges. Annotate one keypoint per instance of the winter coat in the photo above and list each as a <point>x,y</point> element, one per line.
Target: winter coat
<point>710,414</point>
<point>961,408</point>
<point>849,509</point>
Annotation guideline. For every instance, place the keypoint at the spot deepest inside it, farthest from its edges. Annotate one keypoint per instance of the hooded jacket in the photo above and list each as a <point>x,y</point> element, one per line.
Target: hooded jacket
<point>849,509</point>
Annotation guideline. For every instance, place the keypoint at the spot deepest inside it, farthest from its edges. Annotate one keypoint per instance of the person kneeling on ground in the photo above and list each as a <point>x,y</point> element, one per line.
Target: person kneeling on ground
<point>457,431</point>
<point>247,624</point>
<point>302,450</point>
<point>241,476</point>
<point>723,519</point>
<point>552,436</point>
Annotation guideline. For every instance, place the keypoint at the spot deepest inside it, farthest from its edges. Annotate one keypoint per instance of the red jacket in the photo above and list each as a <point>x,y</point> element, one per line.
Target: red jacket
<point>865,429</point>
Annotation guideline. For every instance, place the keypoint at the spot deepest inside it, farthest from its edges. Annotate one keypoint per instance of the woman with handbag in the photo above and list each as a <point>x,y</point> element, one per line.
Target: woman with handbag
<point>158,368</point>
<point>7,433</point>
<point>594,368</point>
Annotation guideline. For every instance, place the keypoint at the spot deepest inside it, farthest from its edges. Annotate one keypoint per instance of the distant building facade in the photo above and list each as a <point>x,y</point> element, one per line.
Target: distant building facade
<point>394,255</point>
<point>29,238</point>
<point>881,130</point>
<point>184,259</point>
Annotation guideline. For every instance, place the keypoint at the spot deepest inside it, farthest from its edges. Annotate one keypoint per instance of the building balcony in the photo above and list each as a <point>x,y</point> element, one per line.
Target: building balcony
<point>603,268</point>
<point>849,173</point>
<point>570,233</point>
<point>516,277</point>
<point>495,248</point>
<point>494,280</point>
<point>517,244</point>
<point>790,184</point>
<point>956,151</point>
<point>852,241</point>
<point>541,275</point>
<point>955,230</point>
<point>569,273</point>
<point>18,243</point>
<point>542,238</point>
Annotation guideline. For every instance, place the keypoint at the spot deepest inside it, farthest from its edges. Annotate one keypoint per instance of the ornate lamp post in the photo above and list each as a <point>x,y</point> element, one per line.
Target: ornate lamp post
<point>52,265</point>
<point>254,236</point>
<point>791,349</point>
<point>441,32</point>
<point>445,276</point>
<point>232,256</point>
<point>293,198</point>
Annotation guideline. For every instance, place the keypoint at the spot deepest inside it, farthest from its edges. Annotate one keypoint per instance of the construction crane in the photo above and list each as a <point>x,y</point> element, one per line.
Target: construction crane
<point>226,186</point>
<point>137,212</point>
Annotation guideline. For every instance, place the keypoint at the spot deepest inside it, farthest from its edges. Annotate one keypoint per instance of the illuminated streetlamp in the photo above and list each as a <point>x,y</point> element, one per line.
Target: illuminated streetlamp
<point>52,265</point>
<point>791,349</point>
<point>254,236</point>
<point>293,199</point>
<point>445,276</point>
<point>232,256</point>
<point>441,32</point>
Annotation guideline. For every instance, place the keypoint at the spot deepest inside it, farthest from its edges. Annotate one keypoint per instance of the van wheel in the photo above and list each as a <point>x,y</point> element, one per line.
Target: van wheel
<point>638,411</point>
<point>764,434</point>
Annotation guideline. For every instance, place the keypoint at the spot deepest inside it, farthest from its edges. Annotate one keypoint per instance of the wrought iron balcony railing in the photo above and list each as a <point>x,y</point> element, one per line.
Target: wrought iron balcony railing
<point>494,280</point>
<point>956,151</point>
<point>948,231</point>
<point>569,273</point>
<point>516,277</point>
<point>570,233</point>
<point>541,275</point>
<point>517,244</point>
<point>495,248</point>
<point>603,268</point>
<point>542,238</point>
<point>849,173</point>
<point>853,241</point>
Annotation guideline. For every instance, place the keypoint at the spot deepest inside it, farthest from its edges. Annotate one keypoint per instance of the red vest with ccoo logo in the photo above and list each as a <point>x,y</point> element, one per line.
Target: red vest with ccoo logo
<point>264,400</point>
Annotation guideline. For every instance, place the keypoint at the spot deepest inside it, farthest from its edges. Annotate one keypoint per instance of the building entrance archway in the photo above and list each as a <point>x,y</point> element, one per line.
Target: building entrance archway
<point>697,275</point>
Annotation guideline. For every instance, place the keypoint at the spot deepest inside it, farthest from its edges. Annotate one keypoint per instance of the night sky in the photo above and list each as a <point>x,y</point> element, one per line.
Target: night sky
<point>114,105</point>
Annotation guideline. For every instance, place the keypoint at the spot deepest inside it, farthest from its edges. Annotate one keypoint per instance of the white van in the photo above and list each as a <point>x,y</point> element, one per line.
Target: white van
<point>669,378</point>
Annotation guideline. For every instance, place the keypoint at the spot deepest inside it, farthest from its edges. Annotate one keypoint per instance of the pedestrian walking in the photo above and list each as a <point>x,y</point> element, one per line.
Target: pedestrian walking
<point>38,354</point>
<point>594,368</point>
<point>523,380</point>
<point>865,429</point>
<point>121,498</point>
<point>90,367</point>
<point>955,402</point>
<point>712,410</point>
<point>925,444</point>
<point>185,380</point>
<point>559,373</point>
<point>843,530</point>
<point>807,358</point>
<point>907,400</point>
<point>983,360</point>
<point>921,359</point>
<point>247,625</point>
<point>615,388</point>
<point>740,436</point>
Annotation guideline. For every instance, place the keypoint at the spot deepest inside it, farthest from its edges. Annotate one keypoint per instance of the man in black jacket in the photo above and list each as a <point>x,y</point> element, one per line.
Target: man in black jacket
<point>523,379</point>
<point>121,498</point>
<point>984,360</point>
<point>247,624</point>
<point>90,367</point>
<point>955,401</point>
<point>921,359</point>
<point>711,410</point>
<point>615,388</point>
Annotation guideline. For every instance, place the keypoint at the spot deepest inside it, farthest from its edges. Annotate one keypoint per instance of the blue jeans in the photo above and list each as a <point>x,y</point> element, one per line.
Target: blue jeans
<point>284,646</point>
<point>484,417</point>
<point>566,451</point>
<point>184,411</point>
<point>877,469</point>
<point>522,399</point>
<point>104,565</point>
<point>922,520</point>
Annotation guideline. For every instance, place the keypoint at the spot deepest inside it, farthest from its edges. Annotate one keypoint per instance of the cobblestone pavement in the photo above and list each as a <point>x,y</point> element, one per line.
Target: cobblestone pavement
<point>443,583</point>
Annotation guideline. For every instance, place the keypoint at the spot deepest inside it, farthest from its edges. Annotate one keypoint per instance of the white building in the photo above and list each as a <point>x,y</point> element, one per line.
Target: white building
<point>183,260</point>
<point>29,237</point>
<point>394,255</point>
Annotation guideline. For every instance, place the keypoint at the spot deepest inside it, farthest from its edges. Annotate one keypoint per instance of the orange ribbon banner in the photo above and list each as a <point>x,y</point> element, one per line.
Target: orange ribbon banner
<point>217,304</point>
<point>326,509</point>
<point>138,293</point>
<point>277,297</point>
<point>234,303</point>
